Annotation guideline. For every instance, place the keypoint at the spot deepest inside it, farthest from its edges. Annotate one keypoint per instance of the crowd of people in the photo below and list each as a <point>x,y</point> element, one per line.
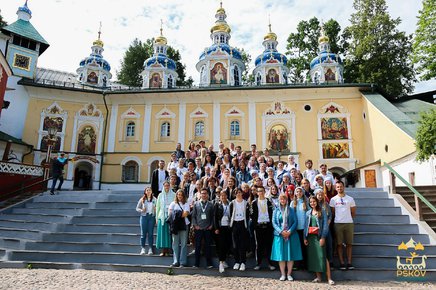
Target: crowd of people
<point>247,204</point>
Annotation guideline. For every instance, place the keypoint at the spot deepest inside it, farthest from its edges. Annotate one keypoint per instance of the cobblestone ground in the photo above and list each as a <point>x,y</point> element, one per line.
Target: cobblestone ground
<point>89,279</point>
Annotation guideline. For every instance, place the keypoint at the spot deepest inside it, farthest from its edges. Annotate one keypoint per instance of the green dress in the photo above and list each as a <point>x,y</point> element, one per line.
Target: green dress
<point>316,253</point>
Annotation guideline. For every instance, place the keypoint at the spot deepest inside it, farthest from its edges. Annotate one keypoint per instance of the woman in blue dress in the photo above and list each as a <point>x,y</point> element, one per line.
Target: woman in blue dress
<point>164,200</point>
<point>286,244</point>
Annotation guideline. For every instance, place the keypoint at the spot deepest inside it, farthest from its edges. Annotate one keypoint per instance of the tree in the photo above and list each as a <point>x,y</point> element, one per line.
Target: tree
<point>377,51</point>
<point>424,46</point>
<point>246,59</point>
<point>302,46</point>
<point>2,21</point>
<point>133,62</point>
<point>426,136</point>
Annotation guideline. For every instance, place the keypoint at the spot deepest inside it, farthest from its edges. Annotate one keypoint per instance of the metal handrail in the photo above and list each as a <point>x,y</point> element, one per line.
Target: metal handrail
<point>421,197</point>
<point>14,193</point>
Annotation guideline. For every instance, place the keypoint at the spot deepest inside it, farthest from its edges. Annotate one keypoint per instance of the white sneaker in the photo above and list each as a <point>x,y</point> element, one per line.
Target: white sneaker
<point>225,265</point>
<point>282,278</point>
<point>142,251</point>
<point>242,267</point>
<point>290,278</point>
<point>236,266</point>
<point>150,252</point>
<point>221,267</point>
<point>271,267</point>
<point>331,282</point>
<point>256,268</point>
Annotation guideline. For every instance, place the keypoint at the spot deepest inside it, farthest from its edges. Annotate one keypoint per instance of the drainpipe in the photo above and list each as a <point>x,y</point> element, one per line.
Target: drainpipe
<point>104,139</point>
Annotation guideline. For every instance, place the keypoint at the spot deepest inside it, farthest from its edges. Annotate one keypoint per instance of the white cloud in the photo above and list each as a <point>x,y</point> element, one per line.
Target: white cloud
<point>71,26</point>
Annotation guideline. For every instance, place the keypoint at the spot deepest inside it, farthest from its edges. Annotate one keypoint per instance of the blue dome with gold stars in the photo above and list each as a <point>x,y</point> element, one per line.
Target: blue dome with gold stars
<point>224,47</point>
<point>160,59</point>
<point>269,56</point>
<point>97,60</point>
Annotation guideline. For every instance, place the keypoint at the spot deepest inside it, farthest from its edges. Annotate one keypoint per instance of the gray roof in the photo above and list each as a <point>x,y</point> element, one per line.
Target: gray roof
<point>54,76</point>
<point>404,114</point>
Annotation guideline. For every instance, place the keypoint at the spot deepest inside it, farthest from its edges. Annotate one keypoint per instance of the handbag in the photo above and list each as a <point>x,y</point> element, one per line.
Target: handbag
<point>313,230</point>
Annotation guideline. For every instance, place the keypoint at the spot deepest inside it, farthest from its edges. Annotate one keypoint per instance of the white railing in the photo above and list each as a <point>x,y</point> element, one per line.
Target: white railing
<point>22,169</point>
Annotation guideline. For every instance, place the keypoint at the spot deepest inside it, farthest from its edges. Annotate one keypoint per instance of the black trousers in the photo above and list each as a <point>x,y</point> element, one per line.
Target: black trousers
<point>224,242</point>
<point>264,237</point>
<point>303,263</point>
<point>205,235</point>
<point>239,237</point>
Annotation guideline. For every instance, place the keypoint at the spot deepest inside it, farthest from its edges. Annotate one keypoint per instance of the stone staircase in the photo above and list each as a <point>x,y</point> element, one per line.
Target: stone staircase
<point>100,230</point>
<point>429,192</point>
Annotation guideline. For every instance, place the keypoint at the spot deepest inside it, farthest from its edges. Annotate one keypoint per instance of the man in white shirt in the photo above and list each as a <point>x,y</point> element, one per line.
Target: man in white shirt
<point>344,210</point>
<point>310,173</point>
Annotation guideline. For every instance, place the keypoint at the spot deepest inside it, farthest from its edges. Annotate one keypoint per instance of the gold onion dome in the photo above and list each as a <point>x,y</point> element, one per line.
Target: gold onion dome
<point>220,27</point>
<point>98,42</point>
<point>270,35</point>
<point>323,37</point>
<point>161,39</point>
<point>221,9</point>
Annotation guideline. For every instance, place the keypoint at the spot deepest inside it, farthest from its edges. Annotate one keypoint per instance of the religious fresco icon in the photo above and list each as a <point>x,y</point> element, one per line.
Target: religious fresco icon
<point>330,75</point>
<point>92,78</point>
<point>218,75</point>
<point>155,81</point>
<point>335,150</point>
<point>49,121</point>
<point>86,141</point>
<point>45,140</point>
<point>278,138</point>
<point>272,77</point>
<point>334,128</point>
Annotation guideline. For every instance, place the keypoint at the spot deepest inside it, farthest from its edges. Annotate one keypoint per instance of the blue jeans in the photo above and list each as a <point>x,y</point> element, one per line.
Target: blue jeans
<point>147,226</point>
<point>55,179</point>
<point>180,239</point>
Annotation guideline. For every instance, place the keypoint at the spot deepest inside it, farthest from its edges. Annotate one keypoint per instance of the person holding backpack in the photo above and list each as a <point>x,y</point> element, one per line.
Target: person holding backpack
<point>178,212</point>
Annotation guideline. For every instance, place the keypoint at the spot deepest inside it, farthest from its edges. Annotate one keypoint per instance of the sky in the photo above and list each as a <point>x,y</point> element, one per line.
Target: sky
<point>70,26</point>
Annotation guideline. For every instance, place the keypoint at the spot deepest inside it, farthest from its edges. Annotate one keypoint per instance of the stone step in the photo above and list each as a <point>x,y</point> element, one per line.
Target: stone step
<point>387,228</point>
<point>383,238</point>
<point>86,198</point>
<point>367,261</point>
<point>368,194</point>
<point>395,219</point>
<point>387,250</point>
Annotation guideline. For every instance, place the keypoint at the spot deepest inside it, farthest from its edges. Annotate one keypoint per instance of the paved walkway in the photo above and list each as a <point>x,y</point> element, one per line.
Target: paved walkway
<point>91,279</point>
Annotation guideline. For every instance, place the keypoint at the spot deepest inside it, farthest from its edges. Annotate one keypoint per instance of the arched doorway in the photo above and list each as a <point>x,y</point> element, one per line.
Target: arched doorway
<point>337,171</point>
<point>83,176</point>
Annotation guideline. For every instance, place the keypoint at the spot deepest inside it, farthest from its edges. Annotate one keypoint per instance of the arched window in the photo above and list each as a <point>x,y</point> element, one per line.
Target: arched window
<point>165,129</point>
<point>222,40</point>
<point>259,79</point>
<point>130,172</point>
<point>236,75</point>
<point>170,81</point>
<point>130,130</point>
<point>199,129</point>
<point>234,129</point>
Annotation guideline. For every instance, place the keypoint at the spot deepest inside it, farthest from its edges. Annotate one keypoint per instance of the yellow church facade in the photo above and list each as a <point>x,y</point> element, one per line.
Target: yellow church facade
<point>105,132</point>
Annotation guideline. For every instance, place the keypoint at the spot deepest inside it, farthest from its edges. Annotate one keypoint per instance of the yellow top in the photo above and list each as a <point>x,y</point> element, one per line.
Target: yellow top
<point>220,27</point>
<point>221,9</point>
<point>98,42</point>
<point>323,37</point>
<point>161,39</point>
<point>270,35</point>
